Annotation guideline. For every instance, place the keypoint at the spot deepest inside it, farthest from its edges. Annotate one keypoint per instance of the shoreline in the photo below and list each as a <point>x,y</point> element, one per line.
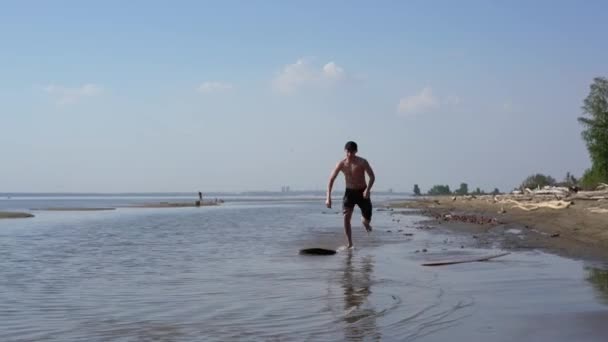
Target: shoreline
<point>174,205</point>
<point>575,231</point>
<point>14,215</point>
<point>72,209</point>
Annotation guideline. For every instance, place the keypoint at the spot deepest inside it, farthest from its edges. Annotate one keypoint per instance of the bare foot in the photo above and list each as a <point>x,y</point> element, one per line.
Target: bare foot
<point>368,227</point>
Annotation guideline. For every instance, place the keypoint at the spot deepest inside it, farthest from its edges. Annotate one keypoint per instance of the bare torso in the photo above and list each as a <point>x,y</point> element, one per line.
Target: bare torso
<point>354,172</point>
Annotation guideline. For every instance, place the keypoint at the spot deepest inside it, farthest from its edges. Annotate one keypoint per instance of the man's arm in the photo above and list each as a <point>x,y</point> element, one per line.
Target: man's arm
<point>372,179</point>
<point>330,185</point>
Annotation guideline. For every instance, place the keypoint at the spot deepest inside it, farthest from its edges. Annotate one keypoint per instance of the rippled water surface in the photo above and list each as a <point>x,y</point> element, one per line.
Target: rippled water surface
<point>233,273</point>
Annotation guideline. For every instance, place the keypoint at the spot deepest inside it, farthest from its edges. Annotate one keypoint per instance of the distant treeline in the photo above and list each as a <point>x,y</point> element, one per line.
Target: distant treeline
<point>441,189</point>
<point>534,181</point>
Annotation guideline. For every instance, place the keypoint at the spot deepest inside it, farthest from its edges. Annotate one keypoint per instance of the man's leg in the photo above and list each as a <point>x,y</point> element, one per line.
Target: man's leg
<point>348,214</point>
<point>366,214</point>
<point>366,224</point>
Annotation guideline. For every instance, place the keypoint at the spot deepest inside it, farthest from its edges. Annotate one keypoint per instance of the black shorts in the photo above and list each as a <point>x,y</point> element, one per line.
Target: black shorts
<point>354,197</point>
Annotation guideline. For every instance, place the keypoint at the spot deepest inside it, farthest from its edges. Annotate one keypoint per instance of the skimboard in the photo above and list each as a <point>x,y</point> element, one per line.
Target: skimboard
<point>463,260</point>
<point>322,251</point>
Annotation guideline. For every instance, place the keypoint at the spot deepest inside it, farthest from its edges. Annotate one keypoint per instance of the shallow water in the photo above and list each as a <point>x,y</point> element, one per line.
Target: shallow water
<point>233,272</point>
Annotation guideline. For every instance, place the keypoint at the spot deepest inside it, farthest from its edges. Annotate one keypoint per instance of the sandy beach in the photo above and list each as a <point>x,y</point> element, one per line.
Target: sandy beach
<point>72,209</point>
<point>579,231</point>
<point>174,205</point>
<point>78,208</point>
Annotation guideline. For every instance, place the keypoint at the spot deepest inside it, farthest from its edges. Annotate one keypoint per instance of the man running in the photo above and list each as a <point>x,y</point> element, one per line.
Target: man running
<point>357,191</point>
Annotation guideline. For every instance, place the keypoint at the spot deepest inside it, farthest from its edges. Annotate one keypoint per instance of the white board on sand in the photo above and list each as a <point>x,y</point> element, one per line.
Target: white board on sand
<point>463,260</point>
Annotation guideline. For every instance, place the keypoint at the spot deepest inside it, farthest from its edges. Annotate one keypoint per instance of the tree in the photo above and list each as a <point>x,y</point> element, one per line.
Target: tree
<point>463,190</point>
<point>591,178</point>
<point>416,190</point>
<point>595,132</point>
<point>478,191</point>
<point>440,190</point>
<point>537,181</point>
<point>569,180</point>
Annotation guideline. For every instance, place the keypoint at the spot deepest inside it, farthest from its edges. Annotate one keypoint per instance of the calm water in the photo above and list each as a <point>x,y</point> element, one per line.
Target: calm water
<point>233,273</point>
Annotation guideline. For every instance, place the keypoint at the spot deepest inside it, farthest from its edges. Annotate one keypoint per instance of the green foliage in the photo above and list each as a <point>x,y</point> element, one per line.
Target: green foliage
<point>463,190</point>
<point>440,190</point>
<point>537,181</point>
<point>595,132</point>
<point>416,190</point>
<point>591,178</point>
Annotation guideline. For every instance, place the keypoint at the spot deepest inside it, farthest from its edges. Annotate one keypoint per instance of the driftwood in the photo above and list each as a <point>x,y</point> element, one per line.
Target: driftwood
<point>547,197</point>
<point>559,191</point>
<point>602,186</point>
<point>559,204</point>
<point>590,195</point>
<point>598,210</point>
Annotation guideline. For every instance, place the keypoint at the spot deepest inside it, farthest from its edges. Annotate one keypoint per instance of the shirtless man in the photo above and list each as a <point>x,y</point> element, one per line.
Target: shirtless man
<point>357,191</point>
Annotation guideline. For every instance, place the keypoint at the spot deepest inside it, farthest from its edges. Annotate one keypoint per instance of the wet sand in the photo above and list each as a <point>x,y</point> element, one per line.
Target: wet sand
<point>174,205</point>
<point>573,232</point>
<point>13,214</point>
<point>526,295</point>
<point>72,209</point>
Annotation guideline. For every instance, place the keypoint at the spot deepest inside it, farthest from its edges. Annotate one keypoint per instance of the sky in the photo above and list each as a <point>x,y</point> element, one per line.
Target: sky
<point>155,96</point>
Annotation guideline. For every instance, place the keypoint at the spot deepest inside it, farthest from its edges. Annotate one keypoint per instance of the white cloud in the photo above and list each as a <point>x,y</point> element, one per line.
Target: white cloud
<point>426,101</point>
<point>69,95</point>
<point>210,87</point>
<point>423,102</point>
<point>304,73</point>
<point>332,70</point>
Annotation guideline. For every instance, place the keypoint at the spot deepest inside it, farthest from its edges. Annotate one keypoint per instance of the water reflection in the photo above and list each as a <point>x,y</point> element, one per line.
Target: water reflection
<point>359,314</point>
<point>599,279</point>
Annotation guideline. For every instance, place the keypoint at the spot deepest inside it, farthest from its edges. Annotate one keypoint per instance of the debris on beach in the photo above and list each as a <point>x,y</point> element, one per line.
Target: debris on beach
<point>555,204</point>
<point>598,210</point>
<point>476,219</point>
<point>550,197</point>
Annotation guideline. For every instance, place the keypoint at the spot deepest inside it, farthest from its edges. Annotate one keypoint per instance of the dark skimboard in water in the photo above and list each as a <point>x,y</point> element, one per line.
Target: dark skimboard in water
<point>463,260</point>
<point>323,251</point>
<point>318,251</point>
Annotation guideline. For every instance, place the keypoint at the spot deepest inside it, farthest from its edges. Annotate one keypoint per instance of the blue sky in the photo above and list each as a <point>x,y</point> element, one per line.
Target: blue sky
<point>233,95</point>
